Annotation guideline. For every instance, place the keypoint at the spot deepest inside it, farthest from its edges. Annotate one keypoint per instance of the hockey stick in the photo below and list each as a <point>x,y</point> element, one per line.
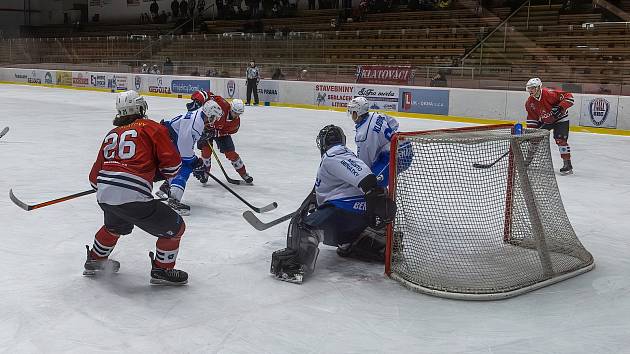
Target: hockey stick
<point>230,180</point>
<point>482,165</point>
<point>259,225</point>
<point>27,207</point>
<point>264,209</point>
<point>4,131</point>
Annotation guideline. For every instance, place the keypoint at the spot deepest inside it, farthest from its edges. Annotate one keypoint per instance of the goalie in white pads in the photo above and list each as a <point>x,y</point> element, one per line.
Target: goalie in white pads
<point>339,211</point>
<point>373,138</point>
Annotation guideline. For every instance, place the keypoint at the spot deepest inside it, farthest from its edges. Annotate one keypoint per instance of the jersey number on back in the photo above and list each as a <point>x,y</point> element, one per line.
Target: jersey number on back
<point>124,146</point>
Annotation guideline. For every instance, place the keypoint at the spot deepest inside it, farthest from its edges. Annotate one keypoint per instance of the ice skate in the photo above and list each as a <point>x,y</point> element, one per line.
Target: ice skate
<point>247,178</point>
<point>179,207</point>
<point>285,266</point>
<point>165,191</point>
<point>162,276</point>
<point>567,169</point>
<point>93,266</point>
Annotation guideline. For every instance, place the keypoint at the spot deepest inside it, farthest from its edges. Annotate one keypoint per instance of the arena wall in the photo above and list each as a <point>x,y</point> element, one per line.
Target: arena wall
<point>593,113</point>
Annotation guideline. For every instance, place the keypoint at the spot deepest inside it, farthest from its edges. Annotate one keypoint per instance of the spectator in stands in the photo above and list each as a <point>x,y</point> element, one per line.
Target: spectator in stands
<point>144,69</point>
<point>175,9</point>
<point>277,75</point>
<point>168,66</point>
<point>212,72</point>
<point>162,17</point>
<point>154,70</point>
<point>154,9</point>
<point>439,80</point>
<point>183,8</point>
<point>192,6</point>
<point>201,6</point>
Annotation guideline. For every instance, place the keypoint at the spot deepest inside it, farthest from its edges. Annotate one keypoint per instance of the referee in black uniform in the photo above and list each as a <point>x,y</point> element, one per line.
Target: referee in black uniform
<point>253,77</point>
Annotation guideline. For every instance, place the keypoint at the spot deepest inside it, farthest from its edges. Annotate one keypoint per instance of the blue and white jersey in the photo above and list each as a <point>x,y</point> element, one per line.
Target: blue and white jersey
<point>338,178</point>
<point>373,137</point>
<point>188,128</point>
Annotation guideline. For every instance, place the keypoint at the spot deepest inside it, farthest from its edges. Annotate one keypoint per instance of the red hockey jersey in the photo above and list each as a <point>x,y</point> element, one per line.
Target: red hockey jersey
<point>128,160</point>
<point>539,110</point>
<point>225,125</point>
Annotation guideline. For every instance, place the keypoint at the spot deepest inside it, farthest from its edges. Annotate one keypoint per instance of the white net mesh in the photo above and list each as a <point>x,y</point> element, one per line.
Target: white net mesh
<point>468,228</point>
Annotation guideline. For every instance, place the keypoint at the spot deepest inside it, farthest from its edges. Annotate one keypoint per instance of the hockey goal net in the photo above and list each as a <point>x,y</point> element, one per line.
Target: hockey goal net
<point>479,214</point>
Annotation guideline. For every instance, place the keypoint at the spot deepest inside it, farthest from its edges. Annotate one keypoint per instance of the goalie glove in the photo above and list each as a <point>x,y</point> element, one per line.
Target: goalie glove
<point>379,208</point>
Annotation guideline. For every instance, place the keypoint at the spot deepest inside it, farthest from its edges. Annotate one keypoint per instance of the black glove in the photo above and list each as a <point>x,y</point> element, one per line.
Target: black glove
<point>556,112</point>
<point>207,135</point>
<point>199,171</point>
<point>379,208</point>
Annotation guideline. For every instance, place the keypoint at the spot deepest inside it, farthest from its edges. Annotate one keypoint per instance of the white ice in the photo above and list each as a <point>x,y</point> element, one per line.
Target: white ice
<point>232,304</point>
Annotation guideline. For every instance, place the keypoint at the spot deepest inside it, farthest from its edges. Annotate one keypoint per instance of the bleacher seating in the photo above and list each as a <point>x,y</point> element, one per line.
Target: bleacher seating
<point>543,40</point>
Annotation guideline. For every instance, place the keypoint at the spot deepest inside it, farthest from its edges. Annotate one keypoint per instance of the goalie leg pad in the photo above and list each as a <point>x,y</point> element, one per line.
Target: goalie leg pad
<point>369,246</point>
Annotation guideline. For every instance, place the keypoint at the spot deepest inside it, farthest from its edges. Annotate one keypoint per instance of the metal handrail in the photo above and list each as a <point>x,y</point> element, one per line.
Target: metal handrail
<point>483,40</point>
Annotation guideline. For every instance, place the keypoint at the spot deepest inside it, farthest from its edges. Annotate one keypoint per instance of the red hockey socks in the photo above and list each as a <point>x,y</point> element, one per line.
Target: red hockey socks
<point>166,249</point>
<point>104,243</point>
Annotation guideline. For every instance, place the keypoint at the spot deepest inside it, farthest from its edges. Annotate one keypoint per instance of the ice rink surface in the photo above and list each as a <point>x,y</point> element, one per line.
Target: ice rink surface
<point>232,304</point>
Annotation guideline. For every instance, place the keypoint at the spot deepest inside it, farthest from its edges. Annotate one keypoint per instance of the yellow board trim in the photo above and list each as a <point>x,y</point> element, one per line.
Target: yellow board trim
<point>578,128</point>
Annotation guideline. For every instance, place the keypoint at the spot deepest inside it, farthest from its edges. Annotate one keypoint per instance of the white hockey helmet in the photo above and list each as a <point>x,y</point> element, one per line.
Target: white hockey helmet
<point>238,107</point>
<point>533,83</point>
<point>130,103</point>
<point>359,105</point>
<point>212,111</point>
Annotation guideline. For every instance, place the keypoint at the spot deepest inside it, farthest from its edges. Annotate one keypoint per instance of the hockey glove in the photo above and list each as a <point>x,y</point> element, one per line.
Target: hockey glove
<point>556,112</point>
<point>379,208</point>
<point>208,134</point>
<point>200,171</point>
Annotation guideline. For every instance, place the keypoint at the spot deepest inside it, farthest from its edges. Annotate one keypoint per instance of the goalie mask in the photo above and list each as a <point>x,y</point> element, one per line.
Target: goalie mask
<point>329,136</point>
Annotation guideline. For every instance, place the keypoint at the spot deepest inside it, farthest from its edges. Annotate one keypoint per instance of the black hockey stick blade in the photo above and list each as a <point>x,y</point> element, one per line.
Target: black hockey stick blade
<point>28,207</point>
<point>4,131</point>
<point>263,209</point>
<point>259,225</point>
<point>227,178</point>
<point>483,165</point>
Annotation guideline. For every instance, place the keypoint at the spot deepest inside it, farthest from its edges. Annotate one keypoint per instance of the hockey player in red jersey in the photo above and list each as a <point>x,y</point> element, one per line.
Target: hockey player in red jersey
<point>130,158</point>
<point>221,133</point>
<point>548,109</point>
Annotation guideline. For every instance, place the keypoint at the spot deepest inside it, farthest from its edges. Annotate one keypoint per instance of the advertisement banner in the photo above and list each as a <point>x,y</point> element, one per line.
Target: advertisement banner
<point>49,79</point>
<point>380,98</point>
<point>120,82</point>
<point>64,78</point>
<point>424,101</point>
<point>20,76</point>
<point>159,84</point>
<point>189,86</point>
<point>80,79</point>
<point>384,74</point>
<point>333,95</point>
<point>231,89</point>
<point>138,82</point>
<point>268,91</point>
<point>98,80</point>
<point>599,111</point>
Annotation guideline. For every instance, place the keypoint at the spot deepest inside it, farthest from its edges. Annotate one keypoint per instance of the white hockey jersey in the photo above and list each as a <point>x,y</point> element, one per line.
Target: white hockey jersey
<point>338,177</point>
<point>373,137</point>
<point>188,128</point>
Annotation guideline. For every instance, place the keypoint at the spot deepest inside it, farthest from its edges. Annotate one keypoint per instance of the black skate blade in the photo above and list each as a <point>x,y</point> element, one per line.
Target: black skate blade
<point>99,272</point>
<point>295,279</point>
<point>164,282</point>
<point>161,195</point>
<point>566,173</point>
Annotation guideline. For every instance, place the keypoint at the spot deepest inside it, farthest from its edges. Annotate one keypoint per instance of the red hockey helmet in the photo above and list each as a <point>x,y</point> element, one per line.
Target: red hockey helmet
<point>198,99</point>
